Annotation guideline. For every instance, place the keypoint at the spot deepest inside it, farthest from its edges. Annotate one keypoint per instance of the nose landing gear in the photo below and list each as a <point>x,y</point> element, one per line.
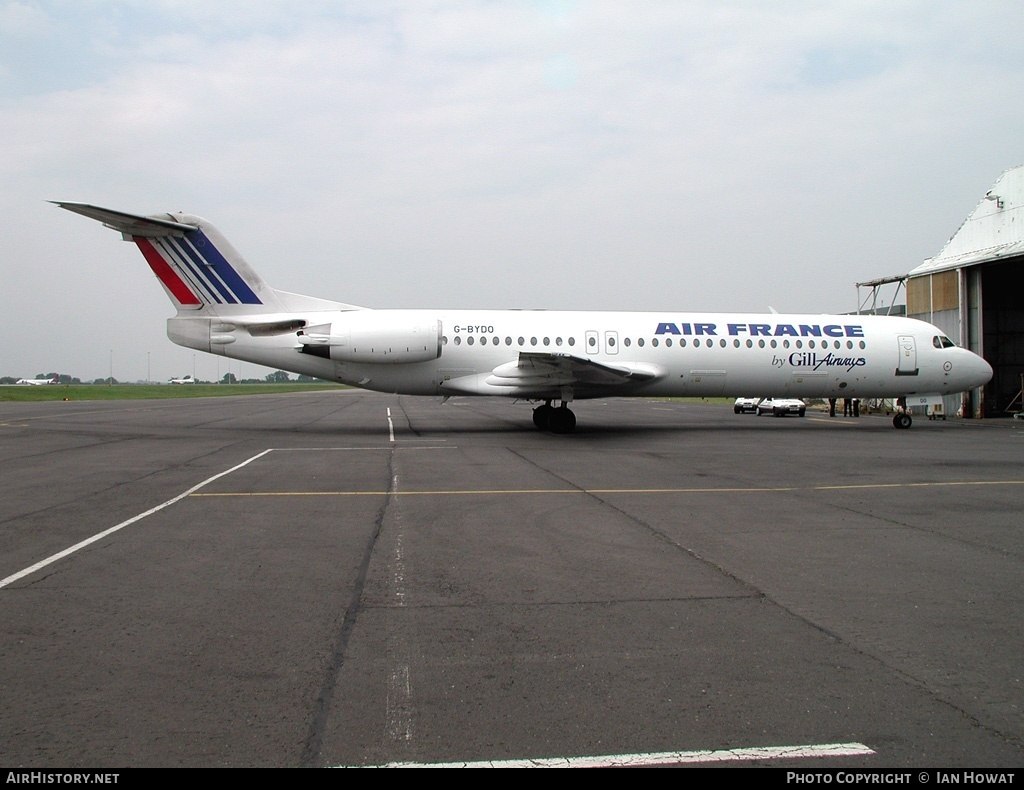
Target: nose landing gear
<point>902,420</point>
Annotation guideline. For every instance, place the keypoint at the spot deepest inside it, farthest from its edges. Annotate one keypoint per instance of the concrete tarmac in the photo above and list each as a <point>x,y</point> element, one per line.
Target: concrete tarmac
<point>348,579</point>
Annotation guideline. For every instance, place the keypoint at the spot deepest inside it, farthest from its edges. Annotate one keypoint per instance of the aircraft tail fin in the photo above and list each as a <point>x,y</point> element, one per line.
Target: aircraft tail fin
<point>197,267</point>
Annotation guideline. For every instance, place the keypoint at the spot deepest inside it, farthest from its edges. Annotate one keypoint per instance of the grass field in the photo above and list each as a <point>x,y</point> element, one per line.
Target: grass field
<point>12,393</point>
<point>51,392</point>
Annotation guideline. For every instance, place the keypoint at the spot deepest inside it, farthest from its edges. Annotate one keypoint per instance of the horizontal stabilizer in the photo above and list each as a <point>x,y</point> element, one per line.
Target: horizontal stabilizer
<point>129,224</point>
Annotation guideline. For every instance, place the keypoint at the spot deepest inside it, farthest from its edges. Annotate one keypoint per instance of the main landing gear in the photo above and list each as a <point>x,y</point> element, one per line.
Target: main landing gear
<point>557,420</point>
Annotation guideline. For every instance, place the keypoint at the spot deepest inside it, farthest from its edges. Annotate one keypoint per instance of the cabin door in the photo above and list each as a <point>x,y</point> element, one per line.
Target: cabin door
<point>907,365</point>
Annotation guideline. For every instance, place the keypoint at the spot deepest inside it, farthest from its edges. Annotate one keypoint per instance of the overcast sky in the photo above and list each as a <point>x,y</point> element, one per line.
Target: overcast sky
<point>560,154</point>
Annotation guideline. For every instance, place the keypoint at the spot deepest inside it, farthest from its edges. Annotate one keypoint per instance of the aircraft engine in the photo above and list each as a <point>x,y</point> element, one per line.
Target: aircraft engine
<point>376,338</point>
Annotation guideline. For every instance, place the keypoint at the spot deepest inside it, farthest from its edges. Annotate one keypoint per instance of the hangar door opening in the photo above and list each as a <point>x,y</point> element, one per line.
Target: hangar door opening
<point>1002,310</point>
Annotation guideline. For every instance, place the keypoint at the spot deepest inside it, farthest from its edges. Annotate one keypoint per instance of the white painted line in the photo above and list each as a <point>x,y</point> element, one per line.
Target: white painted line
<point>662,758</point>
<point>361,449</point>
<point>72,549</point>
<point>398,706</point>
<point>391,426</point>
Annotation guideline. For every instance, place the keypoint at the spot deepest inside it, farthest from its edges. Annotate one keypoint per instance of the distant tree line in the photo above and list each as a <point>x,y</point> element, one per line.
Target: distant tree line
<point>277,377</point>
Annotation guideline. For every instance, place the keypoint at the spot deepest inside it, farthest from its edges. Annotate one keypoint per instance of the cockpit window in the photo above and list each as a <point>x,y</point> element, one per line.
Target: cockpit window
<point>941,341</point>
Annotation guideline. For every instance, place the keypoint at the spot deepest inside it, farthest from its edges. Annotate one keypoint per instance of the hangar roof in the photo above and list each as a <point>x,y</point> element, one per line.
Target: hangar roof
<point>994,230</point>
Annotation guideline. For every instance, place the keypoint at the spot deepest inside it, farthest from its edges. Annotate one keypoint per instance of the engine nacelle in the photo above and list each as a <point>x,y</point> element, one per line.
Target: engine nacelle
<point>374,337</point>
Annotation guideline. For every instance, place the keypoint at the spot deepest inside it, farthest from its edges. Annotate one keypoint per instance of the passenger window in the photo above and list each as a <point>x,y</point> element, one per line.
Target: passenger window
<point>668,342</point>
<point>640,342</point>
<point>627,342</point>
<point>654,342</point>
<point>592,342</point>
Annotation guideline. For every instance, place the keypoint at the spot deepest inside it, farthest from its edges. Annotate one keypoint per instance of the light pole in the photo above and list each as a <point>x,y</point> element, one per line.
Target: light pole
<point>149,375</point>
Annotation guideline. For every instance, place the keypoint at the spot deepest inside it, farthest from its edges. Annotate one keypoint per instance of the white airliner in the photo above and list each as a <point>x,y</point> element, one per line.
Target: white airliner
<point>550,358</point>
<point>186,379</point>
<point>36,382</point>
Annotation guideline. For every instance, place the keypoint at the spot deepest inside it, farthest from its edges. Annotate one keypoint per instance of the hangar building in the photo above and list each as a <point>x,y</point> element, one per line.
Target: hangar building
<point>973,290</point>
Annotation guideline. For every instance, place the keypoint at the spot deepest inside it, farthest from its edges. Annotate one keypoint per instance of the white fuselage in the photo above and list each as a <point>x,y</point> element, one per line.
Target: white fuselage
<point>224,307</point>
<point>672,354</point>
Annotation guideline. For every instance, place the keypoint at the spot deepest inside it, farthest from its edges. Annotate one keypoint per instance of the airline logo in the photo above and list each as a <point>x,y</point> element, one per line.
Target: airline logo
<point>807,359</point>
<point>194,271</point>
<point>762,330</point>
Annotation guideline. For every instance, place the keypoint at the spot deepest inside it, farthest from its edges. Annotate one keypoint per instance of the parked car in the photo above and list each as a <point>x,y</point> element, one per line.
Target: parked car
<point>780,407</point>
<point>744,405</point>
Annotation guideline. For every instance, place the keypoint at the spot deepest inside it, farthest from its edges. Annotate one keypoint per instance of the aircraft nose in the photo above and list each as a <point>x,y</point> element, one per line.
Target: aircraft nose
<point>985,371</point>
<point>978,371</point>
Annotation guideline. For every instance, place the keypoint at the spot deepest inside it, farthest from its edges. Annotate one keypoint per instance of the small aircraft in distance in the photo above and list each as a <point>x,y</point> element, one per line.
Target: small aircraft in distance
<point>183,380</point>
<point>37,382</point>
<point>548,357</point>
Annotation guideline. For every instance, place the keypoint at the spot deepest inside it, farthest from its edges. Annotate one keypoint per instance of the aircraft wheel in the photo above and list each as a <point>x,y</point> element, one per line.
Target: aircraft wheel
<point>562,420</point>
<point>902,420</point>
<point>542,416</point>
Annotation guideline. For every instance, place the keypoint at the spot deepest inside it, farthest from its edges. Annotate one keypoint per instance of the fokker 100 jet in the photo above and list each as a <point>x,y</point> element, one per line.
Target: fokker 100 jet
<point>550,358</point>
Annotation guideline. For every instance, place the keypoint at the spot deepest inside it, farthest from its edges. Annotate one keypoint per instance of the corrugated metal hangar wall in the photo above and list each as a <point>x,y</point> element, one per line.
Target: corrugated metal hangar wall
<point>973,290</point>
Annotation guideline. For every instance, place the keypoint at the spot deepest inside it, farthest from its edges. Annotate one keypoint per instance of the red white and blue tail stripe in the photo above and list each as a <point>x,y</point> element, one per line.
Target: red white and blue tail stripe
<point>194,271</point>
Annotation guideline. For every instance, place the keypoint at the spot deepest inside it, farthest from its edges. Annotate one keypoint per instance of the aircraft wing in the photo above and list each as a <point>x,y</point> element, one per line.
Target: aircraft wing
<point>543,372</point>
